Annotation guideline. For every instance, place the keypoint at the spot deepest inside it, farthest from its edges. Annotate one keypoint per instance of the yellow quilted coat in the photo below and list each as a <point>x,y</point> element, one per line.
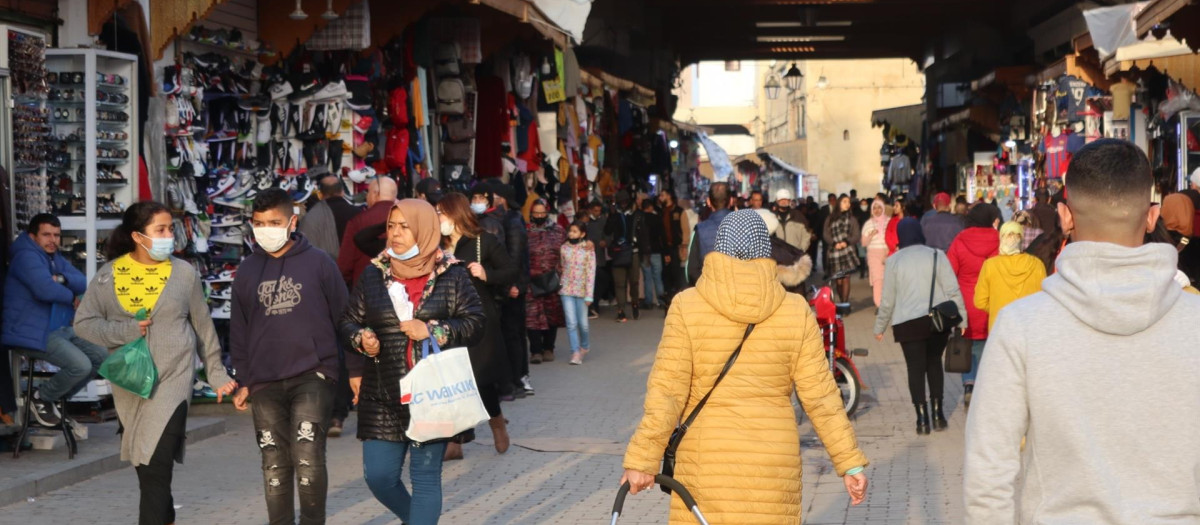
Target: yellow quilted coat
<point>741,458</point>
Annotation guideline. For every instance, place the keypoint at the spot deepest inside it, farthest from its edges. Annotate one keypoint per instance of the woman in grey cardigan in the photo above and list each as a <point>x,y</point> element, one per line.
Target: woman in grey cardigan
<point>142,274</point>
<point>908,276</point>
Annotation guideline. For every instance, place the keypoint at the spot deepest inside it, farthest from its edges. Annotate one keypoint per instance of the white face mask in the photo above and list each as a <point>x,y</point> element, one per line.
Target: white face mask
<point>272,238</point>
<point>447,228</point>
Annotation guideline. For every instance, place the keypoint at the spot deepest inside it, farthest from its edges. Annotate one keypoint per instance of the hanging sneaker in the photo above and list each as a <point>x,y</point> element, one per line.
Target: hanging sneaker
<point>223,311</point>
<point>360,176</point>
<point>224,294</point>
<point>228,236</point>
<point>331,92</point>
<point>306,191</point>
<point>225,276</point>
<point>45,412</point>
<point>262,127</point>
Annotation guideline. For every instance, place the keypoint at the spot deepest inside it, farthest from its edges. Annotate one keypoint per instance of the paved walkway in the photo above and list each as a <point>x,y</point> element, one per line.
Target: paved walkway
<point>566,459</point>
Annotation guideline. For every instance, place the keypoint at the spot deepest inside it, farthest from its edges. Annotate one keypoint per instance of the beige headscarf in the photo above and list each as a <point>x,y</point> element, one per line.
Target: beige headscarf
<point>423,220</point>
<point>1011,236</point>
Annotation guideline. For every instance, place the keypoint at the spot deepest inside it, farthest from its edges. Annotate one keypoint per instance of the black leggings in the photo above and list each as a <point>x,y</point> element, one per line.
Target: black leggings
<point>157,507</point>
<point>924,361</point>
<point>491,399</point>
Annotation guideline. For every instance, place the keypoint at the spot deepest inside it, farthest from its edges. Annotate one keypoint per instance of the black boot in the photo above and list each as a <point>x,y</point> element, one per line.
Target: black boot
<point>922,418</point>
<point>939,419</point>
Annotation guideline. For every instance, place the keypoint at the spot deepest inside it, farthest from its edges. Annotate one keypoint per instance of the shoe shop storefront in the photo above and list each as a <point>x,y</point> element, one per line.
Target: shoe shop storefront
<point>202,104</point>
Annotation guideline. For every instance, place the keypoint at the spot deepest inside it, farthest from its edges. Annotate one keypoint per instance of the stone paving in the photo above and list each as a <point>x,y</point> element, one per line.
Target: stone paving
<point>566,459</point>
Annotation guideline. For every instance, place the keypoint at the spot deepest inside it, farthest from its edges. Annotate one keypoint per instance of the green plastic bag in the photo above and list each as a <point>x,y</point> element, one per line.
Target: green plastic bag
<point>132,367</point>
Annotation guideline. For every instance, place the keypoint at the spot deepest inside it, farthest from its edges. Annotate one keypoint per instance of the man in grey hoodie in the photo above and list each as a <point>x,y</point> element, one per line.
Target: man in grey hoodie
<point>1072,369</point>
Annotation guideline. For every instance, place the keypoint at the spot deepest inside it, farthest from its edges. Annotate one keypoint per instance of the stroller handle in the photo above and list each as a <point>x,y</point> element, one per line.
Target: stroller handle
<point>665,481</point>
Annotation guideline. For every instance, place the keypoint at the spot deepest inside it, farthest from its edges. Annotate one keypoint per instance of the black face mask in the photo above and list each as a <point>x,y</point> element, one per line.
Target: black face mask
<point>576,240</point>
<point>539,220</point>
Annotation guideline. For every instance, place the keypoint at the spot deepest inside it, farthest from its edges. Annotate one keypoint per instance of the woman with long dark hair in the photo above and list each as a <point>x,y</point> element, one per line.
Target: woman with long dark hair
<point>842,233</point>
<point>440,302</point>
<point>141,274</point>
<point>979,242</point>
<point>578,269</point>
<point>492,272</point>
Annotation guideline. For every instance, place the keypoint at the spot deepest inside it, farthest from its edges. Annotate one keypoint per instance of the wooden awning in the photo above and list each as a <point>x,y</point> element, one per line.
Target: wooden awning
<point>1085,66</point>
<point>599,79</point>
<point>1158,12</point>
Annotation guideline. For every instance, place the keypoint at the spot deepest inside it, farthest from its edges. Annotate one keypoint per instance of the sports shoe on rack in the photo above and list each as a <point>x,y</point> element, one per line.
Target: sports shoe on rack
<point>228,236</point>
<point>224,276</point>
<point>331,92</point>
<point>225,293</point>
<point>223,310</point>
<point>363,125</point>
<point>361,175</point>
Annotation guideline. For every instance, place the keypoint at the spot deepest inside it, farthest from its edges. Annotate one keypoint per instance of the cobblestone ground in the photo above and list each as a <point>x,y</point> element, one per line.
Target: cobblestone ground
<point>566,459</point>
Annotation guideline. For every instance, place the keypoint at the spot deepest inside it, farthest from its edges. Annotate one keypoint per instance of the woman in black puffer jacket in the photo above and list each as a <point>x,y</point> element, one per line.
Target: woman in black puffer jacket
<point>442,303</point>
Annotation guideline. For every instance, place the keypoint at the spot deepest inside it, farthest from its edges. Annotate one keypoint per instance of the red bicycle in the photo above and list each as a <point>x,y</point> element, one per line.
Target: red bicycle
<point>833,331</point>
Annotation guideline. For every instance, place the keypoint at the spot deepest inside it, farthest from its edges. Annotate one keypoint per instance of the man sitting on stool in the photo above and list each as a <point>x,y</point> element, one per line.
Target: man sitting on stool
<point>39,307</point>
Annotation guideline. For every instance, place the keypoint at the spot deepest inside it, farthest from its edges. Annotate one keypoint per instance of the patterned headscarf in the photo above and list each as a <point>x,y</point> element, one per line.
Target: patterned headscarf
<point>743,234</point>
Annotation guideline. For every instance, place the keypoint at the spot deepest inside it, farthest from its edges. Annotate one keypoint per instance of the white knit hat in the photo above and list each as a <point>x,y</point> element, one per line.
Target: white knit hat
<point>783,193</point>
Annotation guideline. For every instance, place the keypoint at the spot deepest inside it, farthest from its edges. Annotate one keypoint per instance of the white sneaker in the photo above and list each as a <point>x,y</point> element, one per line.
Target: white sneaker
<point>199,241</point>
<point>331,91</point>
<point>223,311</point>
<point>527,385</point>
<point>263,128</point>
<point>230,202</point>
<point>223,185</point>
<point>302,194</point>
<point>280,90</point>
<point>226,220</point>
<point>361,175</point>
<point>226,276</point>
<point>228,236</point>
<point>224,294</point>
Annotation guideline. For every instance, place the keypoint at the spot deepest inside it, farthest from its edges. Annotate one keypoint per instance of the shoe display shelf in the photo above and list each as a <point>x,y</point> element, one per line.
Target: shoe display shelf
<point>92,117</point>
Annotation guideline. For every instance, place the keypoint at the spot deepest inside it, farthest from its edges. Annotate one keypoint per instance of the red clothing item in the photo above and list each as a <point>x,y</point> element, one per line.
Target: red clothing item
<point>891,237</point>
<point>967,253</point>
<point>352,261</point>
<point>415,288</point>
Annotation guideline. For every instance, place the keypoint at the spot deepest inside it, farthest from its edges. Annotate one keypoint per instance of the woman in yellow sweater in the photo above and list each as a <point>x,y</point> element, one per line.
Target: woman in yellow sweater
<point>1008,276</point>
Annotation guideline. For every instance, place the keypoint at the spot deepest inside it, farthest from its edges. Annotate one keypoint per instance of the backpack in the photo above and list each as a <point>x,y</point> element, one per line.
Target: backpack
<point>398,107</point>
<point>446,59</point>
<point>451,97</point>
<point>456,152</point>
<point>396,152</point>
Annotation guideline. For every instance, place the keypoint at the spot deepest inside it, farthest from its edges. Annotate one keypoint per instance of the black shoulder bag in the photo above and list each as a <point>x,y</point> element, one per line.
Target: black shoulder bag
<point>668,464</point>
<point>945,315</point>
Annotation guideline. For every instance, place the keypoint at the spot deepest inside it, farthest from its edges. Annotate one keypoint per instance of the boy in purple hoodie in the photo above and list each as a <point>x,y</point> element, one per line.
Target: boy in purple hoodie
<point>287,298</point>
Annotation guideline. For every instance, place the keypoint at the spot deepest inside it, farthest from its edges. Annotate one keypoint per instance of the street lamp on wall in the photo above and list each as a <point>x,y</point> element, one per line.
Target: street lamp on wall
<point>772,86</point>
<point>299,13</point>
<point>793,78</point>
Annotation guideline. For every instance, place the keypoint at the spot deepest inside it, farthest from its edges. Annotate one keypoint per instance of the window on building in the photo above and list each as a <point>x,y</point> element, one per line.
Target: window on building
<point>799,116</point>
<point>733,65</point>
<point>845,134</point>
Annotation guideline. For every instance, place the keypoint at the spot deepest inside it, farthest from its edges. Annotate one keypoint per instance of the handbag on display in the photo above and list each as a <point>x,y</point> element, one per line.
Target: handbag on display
<point>456,152</point>
<point>958,354</point>
<point>451,97</point>
<point>446,59</point>
<point>454,173</point>
<point>441,395</point>
<point>460,129</point>
<point>668,464</point>
<point>545,284</point>
<point>944,315</point>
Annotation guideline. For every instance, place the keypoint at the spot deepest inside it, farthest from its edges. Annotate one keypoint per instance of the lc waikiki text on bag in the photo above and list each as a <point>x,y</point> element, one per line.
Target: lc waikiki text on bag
<point>132,367</point>
<point>441,394</point>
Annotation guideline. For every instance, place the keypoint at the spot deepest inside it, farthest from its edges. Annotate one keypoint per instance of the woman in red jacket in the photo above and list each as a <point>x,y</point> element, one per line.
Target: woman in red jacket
<point>978,242</point>
<point>890,236</point>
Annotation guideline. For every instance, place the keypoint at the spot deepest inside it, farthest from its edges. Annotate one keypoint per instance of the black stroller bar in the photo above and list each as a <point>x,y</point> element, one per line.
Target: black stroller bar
<point>665,481</point>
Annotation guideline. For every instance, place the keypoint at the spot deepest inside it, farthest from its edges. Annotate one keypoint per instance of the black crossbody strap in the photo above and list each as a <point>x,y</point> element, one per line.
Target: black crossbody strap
<point>728,364</point>
<point>933,283</point>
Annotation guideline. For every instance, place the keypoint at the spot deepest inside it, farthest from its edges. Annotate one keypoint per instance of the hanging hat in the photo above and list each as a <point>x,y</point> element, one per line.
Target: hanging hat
<point>743,234</point>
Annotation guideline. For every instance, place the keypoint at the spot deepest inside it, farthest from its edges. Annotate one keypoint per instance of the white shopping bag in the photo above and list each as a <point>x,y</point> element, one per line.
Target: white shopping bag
<point>400,302</point>
<point>441,394</point>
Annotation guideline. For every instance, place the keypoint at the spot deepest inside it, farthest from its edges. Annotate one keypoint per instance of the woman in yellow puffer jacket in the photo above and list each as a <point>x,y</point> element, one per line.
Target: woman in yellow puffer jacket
<point>1008,276</point>
<point>741,456</point>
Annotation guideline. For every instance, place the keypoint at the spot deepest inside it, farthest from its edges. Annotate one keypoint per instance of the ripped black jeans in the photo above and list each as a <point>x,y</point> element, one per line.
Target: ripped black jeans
<point>290,420</point>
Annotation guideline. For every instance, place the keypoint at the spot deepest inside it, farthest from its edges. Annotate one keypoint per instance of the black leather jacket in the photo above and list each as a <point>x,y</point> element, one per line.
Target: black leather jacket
<point>449,299</point>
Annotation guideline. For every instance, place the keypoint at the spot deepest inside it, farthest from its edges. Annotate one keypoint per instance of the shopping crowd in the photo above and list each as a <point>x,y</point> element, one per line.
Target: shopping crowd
<point>336,307</point>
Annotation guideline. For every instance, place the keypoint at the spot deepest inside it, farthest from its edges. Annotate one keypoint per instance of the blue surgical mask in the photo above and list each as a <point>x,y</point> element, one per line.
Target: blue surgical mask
<point>408,254</point>
<point>160,249</point>
<point>479,208</point>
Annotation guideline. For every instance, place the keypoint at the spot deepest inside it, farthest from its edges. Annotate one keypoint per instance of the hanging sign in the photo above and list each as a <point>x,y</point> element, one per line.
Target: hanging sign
<point>555,89</point>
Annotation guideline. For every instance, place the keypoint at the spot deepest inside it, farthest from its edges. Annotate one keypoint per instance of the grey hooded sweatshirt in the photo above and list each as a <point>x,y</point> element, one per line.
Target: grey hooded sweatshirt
<point>1101,373</point>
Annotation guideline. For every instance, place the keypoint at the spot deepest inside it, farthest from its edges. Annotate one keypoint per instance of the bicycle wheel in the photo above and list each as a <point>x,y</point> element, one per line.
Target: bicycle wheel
<point>848,384</point>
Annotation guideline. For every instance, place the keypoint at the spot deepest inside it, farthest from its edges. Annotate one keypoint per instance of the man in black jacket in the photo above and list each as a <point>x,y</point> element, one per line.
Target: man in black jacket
<point>621,234</point>
<point>287,301</point>
<point>512,309</point>
<point>672,218</point>
<point>651,247</point>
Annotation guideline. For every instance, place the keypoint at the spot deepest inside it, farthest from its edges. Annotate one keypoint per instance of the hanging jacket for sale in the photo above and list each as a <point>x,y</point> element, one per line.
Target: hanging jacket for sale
<point>899,170</point>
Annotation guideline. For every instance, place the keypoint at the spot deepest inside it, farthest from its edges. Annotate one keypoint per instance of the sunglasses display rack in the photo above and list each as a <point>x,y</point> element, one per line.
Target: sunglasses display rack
<point>30,146</point>
<point>91,162</point>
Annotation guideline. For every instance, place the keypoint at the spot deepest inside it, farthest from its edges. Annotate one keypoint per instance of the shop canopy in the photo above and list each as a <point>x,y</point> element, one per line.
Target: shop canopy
<point>1181,17</point>
<point>907,120</point>
<point>781,164</point>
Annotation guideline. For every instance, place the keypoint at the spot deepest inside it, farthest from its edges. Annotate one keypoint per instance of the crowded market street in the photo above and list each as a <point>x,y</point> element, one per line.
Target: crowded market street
<point>568,442</point>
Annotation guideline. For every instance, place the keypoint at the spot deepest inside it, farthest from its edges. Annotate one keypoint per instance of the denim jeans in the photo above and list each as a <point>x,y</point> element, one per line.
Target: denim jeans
<point>575,309</point>
<point>77,360</point>
<point>290,419</point>
<point>382,463</point>
<point>652,276</point>
<point>976,354</point>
